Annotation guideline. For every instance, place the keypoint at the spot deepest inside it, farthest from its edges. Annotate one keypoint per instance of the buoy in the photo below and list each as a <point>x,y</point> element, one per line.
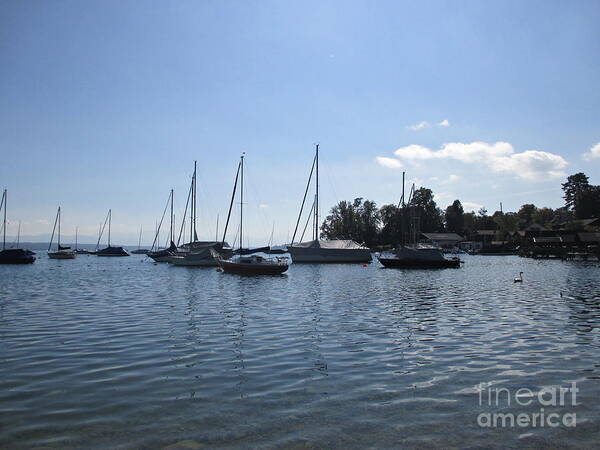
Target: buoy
<point>365,265</point>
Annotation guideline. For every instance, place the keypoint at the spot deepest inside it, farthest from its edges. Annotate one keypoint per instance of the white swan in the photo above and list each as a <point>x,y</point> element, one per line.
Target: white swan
<point>519,279</point>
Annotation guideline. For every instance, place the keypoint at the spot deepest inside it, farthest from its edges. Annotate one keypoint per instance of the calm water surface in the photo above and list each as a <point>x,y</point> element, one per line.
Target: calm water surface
<point>120,353</point>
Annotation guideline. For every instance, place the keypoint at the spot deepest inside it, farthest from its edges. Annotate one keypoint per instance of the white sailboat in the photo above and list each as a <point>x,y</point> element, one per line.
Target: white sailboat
<point>318,250</point>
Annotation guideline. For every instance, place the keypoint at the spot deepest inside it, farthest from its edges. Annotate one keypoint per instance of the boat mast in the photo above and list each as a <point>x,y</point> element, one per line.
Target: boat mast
<point>139,240</point>
<point>54,229</point>
<point>59,228</point>
<point>195,238</point>
<point>317,195</point>
<point>109,220</point>
<point>237,174</point>
<point>19,234</point>
<point>171,237</point>
<point>241,200</point>
<point>75,238</point>
<point>4,201</point>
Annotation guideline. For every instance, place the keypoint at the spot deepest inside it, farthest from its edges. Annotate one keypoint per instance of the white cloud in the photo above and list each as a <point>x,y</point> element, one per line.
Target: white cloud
<point>454,178</point>
<point>499,157</point>
<point>444,123</point>
<point>419,126</point>
<point>594,153</point>
<point>471,206</point>
<point>263,206</point>
<point>390,163</point>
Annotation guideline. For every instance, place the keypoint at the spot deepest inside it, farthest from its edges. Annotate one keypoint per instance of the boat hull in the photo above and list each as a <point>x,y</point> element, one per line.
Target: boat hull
<point>403,263</point>
<point>329,255</point>
<point>16,256</point>
<point>112,251</point>
<point>61,255</point>
<point>253,269</point>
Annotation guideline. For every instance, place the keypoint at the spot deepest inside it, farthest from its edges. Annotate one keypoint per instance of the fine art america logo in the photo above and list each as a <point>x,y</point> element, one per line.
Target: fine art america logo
<point>544,403</point>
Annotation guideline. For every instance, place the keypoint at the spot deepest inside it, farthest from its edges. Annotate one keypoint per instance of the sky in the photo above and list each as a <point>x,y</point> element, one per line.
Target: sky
<point>107,105</point>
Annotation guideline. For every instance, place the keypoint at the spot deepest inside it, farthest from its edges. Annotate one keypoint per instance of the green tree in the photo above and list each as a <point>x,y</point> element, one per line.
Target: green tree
<point>358,220</point>
<point>423,206</point>
<point>455,217</point>
<point>573,187</point>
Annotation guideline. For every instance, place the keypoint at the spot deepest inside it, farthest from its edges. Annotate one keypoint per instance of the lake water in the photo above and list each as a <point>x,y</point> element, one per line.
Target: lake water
<point>120,353</point>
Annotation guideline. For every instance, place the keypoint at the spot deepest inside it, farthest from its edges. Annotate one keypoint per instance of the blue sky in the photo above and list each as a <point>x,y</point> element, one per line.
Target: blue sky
<point>107,104</point>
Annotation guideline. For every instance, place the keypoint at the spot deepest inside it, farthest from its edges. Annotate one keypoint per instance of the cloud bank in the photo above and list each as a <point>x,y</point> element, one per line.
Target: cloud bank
<point>499,157</point>
<point>390,163</point>
<point>594,153</point>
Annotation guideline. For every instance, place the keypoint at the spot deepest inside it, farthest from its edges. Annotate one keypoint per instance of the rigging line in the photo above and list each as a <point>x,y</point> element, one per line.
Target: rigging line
<point>307,221</point>
<point>53,229</point>
<point>187,202</point>
<point>102,230</point>
<point>304,200</point>
<point>231,203</point>
<point>156,237</point>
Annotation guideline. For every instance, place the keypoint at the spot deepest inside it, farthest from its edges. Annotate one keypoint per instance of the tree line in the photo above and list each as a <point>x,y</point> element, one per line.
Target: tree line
<point>362,221</point>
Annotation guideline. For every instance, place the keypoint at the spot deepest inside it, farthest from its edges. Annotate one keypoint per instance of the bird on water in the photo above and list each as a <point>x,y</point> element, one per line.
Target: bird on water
<point>519,279</point>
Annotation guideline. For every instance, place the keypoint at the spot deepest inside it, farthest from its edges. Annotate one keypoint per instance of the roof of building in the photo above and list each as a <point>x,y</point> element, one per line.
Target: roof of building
<point>486,232</point>
<point>443,236</point>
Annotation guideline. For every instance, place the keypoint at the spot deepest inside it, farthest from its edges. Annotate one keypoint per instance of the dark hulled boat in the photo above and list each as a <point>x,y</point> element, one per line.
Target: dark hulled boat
<point>12,255</point>
<point>418,258</point>
<point>251,264</point>
<point>110,250</point>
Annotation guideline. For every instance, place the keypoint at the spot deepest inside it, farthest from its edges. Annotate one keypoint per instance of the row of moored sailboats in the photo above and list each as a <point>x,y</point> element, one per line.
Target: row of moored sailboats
<point>243,260</point>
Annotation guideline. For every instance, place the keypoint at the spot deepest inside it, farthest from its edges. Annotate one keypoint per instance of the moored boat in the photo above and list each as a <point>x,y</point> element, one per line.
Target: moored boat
<point>12,255</point>
<point>62,252</point>
<point>419,257</point>
<point>248,264</point>
<point>318,250</point>
<point>110,250</point>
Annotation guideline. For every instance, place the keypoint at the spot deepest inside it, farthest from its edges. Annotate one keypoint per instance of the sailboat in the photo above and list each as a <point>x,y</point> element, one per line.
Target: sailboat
<point>162,255</point>
<point>109,251</point>
<point>196,253</point>
<point>12,255</point>
<point>415,255</point>
<point>61,252</point>
<point>251,264</point>
<point>140,250</point>
<point>80,251</point>
<point>323,251</point>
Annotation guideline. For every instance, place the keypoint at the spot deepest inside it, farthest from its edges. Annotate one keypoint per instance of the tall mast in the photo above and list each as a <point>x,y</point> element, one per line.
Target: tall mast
<point>5,200</point>
<point>140,239</point>
<point>317,196</point>
<point>109,219</point>
<point>75,238</point>
<point>59,228</point>
<point>171,237</point>
<point>195,182</point>
<point>241,200</point>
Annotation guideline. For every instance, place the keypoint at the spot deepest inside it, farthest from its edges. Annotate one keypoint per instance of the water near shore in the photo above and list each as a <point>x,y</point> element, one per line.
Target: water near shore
<point>118,353</point>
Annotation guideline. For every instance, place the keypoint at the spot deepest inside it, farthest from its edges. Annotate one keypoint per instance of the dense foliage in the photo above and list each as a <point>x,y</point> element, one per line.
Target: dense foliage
<point>361,220</point>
